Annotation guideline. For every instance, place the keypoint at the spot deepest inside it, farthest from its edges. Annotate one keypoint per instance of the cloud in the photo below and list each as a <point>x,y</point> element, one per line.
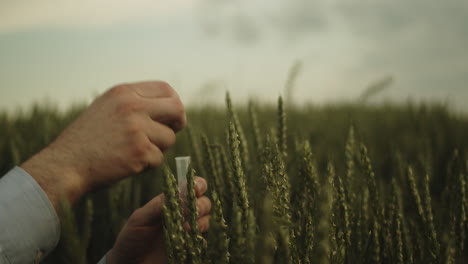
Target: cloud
<point>19,15</point>
<point>344,44</point>
<point>236,20</point>
<point>247,21</point>
<point>299,17</point>
<point>423,42</point>
<point>385,19</point>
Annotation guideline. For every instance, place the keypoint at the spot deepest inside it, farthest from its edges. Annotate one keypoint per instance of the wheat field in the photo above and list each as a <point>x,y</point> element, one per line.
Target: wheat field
<point>343,183</point>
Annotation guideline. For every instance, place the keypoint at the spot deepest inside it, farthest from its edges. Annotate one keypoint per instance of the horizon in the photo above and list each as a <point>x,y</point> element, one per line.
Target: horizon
<point>69,52</point>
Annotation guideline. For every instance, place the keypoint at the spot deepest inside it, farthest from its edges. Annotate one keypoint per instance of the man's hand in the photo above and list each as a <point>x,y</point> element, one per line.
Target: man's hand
<point>142,239</point>
<point>122,132</point>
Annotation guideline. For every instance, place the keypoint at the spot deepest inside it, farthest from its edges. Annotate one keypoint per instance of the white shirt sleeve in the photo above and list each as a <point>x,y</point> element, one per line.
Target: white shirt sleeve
<point>29,225</point>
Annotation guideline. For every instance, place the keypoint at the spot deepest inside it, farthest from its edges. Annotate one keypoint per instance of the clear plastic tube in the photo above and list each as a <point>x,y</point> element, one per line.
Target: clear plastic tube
<point>182,164</point>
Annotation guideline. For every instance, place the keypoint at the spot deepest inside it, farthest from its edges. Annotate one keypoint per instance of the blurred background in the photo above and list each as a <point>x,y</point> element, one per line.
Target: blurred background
<point>70,51</point>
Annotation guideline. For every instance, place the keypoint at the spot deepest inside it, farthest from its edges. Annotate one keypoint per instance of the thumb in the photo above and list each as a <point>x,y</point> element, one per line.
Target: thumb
<point>149,214</point>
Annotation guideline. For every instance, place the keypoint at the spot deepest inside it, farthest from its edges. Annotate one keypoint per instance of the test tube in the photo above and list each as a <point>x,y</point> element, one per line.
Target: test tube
<point>182,164</point>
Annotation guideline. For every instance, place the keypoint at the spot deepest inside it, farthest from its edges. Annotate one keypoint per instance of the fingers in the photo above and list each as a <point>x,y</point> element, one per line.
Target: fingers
<point>204,223</point>
<point>203,206</point>
<point>169,111</point>
<point>168,108</point>
<point>149,214</point>
<point>160,135</point>
<point>154,157</point>
<point>157,99</point>
<point>203,210</point>
<point>200,186</point>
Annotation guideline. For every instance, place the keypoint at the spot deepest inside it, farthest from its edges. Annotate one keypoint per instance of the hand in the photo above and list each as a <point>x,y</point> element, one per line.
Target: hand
<point>121,133</point>
<point>142,238</point>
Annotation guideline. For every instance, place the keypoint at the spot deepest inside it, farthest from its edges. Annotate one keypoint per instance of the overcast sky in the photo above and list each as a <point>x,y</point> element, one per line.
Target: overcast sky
<point>69,51</point>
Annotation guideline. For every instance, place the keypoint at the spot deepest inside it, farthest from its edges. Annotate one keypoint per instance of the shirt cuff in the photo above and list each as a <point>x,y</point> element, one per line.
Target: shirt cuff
<point>29,225</point>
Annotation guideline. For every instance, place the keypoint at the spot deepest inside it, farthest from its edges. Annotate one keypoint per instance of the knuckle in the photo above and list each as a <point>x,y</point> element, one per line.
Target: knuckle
<point>165,88</point>
<point>170,140</point>
<point>133,128</point>
<point>179,113</point>
<point>140,149</point>
<point>118,90</point>
<point>157,159</point>
<point>126,107</point>
<point>137,167</point>
<point>179,107</point>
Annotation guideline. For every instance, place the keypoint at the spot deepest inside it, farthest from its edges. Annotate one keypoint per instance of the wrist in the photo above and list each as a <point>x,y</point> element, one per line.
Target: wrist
<point>56,175</point>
